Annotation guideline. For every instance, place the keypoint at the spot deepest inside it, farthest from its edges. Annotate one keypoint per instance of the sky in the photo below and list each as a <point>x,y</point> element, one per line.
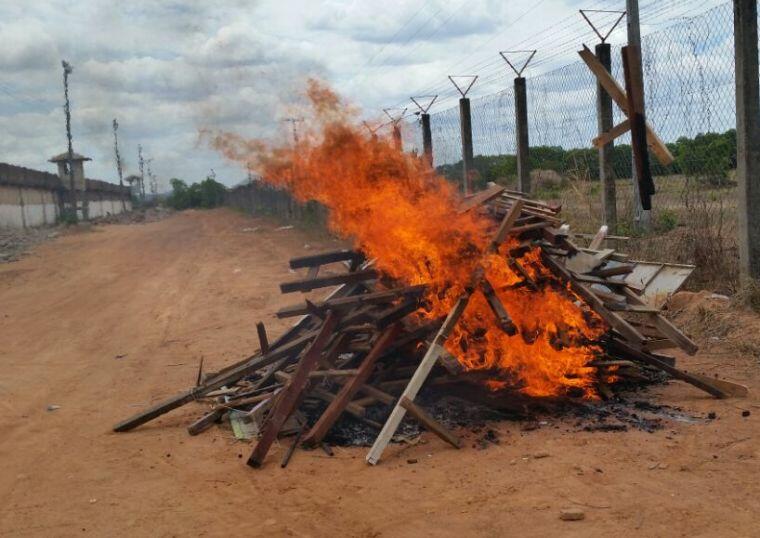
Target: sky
<point>168,69</point>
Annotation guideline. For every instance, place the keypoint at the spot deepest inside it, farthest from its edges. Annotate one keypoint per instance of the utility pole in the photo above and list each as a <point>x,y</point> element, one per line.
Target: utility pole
<point>465,126</point>
<point>521,119</point>
<point>67,70</point>
<point>294,122</point>
<point>118,162</point>
<point>152,184</point>
<point>142,171</point>
<point>642,217</point>
<point>427,135</point>
<point>398,142</point>
<point>604,118</point>
<point>747,136</point>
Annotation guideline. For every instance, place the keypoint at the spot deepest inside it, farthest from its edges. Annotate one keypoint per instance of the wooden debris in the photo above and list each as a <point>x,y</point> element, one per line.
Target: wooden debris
<point>358,349</point>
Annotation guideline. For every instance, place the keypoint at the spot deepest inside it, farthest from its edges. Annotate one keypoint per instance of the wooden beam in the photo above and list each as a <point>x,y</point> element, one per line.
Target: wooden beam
<point>429,422</point>
<point>349,388</point>
<point>351,301</point>
<point>497,307</point>
<point>323,258</point>
<point>417,380</point>
<point>506,225</point>
<point>634,84</point>
<point>608,136</point>
<point>322,282</point>
<point>263,340</point>
<point>292,393</point>
<point>621,99</point>
<point>701,382</point>
<point>479,198</point>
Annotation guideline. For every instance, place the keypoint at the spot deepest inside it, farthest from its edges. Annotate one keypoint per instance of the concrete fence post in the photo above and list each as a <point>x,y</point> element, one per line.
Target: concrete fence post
<point>521,131</point>
<point>468,164</point>
<point>604,123</point>
<point>427,138</point>
<point>747,136</point>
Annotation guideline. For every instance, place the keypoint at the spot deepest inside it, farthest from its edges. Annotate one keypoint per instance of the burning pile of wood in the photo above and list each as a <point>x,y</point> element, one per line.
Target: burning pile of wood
<point>366,343</point>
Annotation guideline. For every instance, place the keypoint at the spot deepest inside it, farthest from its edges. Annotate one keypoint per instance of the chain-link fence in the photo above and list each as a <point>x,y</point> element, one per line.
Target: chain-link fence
<point>689,89</point>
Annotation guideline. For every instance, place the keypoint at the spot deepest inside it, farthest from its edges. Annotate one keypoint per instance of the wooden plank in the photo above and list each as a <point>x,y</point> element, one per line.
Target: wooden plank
<point>333,280</point>
<point>612,271</point>
<point>291,394</point>
<point>506,225</point>
<point>618,95</point>
<point>349,389</point>
<point>635,93</point>
<point>397,313</point>
<point>429,422</point>
<point>497,307</point>
<point>608,136</point>
<point>324,258</point>
<point>701,382</point>
<point>417,380</point>
<point>480,198</point>
<point>206,421</point>
<point>292,447</point>
<point>517,230</point>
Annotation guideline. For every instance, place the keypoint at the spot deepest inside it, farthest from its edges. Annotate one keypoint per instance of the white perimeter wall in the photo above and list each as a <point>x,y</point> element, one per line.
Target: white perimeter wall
<point>22,208</point>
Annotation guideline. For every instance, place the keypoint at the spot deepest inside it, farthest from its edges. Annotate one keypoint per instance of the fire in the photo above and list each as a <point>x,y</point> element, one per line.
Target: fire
<point>398,211</point>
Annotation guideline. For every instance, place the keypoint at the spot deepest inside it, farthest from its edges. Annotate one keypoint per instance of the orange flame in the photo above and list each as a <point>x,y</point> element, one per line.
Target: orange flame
<point>398,211</point>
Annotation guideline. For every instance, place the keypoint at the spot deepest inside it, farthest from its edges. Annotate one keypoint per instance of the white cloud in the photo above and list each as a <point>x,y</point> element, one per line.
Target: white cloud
<point>166,68</point>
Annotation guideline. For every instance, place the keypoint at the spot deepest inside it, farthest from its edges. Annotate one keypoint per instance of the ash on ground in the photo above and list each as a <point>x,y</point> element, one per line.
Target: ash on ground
<point>473,413</point>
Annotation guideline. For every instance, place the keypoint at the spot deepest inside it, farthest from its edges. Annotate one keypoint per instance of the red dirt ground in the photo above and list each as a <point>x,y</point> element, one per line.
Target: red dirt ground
<point>105,322</point>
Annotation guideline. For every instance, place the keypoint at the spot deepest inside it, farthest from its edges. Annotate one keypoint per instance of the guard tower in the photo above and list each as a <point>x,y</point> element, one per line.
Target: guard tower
<point>77,164</point>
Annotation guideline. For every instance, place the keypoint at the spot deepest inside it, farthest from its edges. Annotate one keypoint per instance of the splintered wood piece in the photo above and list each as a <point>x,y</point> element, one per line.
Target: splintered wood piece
<point>429,422</point>
<point>322,282</point>
<point>497,307</point>
<point>418,379</point>
<point>598,239</point>
<point>349,389</point>
<point>480,198</point>
<point>506,224</point>
<point>292,393</point>
<point>324,258</point>
<point>263,340</point>
<point>226,377</point>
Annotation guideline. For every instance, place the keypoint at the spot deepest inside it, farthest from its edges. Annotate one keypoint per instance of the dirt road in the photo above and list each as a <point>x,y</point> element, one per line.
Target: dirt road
<point>105,322</point>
